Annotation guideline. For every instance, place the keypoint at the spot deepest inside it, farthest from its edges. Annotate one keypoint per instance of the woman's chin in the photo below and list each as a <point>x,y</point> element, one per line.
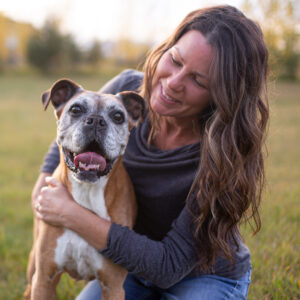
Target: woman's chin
<point>160,108</point>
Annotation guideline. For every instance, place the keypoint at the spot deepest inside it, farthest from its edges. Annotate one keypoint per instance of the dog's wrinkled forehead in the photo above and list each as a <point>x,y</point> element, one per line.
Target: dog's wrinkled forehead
<point>95,103</point>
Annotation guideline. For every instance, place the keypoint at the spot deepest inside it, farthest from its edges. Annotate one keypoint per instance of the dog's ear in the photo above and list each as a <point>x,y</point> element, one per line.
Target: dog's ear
<point>134,104</point>
<point>60,93</point>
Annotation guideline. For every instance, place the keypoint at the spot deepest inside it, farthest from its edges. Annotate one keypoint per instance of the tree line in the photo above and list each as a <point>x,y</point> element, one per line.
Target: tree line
<point>50,50</point>
<point>280,22</point>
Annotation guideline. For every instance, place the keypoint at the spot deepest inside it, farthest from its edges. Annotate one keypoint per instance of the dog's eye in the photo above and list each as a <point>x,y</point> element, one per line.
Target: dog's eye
<point>118,117</point>
<point>76,109</point>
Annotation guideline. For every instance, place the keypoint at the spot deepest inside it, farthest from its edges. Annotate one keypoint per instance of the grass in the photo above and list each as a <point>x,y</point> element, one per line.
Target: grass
<point>26,132</point>
<point>275,249</point>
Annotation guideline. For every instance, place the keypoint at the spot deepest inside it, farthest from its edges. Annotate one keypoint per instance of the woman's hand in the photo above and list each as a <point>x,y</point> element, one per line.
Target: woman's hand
<point>54,203</point>
<point>56,206</point>
<point>37,189</point>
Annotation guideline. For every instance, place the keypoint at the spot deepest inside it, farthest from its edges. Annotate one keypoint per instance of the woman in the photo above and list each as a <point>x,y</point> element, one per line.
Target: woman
<point>196,164</point>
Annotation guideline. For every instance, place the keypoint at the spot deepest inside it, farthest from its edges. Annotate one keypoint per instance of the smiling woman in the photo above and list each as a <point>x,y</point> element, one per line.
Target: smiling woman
<point>180,87</point>
<point>195,162</point>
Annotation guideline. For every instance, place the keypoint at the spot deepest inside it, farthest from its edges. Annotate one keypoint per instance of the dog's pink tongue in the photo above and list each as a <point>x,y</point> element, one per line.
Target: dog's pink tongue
<point>90,161</point>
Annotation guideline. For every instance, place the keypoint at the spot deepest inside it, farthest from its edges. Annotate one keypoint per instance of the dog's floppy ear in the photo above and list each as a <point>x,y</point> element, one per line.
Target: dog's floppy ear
<point>61,91</point>
<point>134,104</point>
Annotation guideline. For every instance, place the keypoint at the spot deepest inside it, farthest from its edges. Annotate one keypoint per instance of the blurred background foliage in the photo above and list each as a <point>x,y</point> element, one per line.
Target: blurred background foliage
<point>48,50</point>
<point>280,21</point>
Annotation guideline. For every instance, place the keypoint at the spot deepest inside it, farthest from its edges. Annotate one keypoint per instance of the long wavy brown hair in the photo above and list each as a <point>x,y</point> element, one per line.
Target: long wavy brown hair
<point>228,186</point>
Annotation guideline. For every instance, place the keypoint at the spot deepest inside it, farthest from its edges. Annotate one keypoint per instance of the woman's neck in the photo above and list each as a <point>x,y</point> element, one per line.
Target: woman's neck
<point>175,133</point>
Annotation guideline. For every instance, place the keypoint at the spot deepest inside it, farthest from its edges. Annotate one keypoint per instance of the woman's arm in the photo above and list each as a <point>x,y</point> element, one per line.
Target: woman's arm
<point>55,205</point>
<point>128,80</point>
<point>51,159</point>
<point>162,262</point>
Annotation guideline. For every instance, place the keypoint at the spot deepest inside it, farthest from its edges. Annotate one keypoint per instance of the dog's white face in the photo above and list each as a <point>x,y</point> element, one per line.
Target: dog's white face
<point>93,128</point>
<point>92,132</point>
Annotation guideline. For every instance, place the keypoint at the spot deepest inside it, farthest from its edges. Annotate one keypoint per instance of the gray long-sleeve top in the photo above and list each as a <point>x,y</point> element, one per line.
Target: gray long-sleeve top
<point>161,246</point>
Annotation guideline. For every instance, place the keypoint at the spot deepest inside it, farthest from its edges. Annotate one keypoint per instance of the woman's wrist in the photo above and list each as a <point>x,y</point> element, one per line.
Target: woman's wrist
<point>71,214</point>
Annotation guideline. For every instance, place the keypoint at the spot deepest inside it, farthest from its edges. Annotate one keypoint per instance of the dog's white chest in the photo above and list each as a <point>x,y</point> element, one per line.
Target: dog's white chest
<point>72,251</point>
<point>77,256</point>
<point>91,195</point>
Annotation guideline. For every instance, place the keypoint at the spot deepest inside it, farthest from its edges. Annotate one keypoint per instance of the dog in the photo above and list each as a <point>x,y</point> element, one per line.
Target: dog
<point>92,135</point>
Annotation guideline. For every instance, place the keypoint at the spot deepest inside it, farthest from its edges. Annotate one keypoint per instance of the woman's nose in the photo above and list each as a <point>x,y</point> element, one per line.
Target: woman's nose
<point>176,81</point>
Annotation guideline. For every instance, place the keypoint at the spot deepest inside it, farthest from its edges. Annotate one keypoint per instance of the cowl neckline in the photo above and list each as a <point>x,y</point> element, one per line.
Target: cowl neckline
<point>141,155</point>
<point>152,152</point>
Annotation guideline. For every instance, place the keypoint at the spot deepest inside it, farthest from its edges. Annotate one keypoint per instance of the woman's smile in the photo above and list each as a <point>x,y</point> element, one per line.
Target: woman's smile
<point>180,86</point>
<point>166,98</point>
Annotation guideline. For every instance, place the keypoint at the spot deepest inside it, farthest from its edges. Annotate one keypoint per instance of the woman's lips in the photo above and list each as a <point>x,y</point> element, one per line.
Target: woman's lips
<point>166,98</point>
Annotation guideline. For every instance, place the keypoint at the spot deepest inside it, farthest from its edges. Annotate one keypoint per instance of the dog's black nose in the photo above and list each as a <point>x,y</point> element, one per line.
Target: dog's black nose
<point>96,121</point>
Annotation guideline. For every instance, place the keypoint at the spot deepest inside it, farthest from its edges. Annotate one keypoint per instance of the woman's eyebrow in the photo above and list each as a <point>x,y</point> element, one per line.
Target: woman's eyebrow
<point>195,72</point>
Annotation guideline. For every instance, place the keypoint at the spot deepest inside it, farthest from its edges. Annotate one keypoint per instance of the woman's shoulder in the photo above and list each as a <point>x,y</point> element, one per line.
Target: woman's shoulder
<point>127,80</point>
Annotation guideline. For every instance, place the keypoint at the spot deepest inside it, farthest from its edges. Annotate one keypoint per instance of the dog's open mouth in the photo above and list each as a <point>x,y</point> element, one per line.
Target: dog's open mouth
<point>90,162</point>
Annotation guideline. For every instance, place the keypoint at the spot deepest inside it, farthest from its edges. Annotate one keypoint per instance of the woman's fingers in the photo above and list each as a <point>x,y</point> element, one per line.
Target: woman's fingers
<point>52,181</point>
<point>37,188</point>
<point>53,203</point>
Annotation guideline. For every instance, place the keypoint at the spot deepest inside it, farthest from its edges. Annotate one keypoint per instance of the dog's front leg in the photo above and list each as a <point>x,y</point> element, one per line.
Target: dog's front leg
<point>44,282</point>
<point>30,273</point>
<point>47,273</point>
<point>31,261</point>
<point>111,278</point>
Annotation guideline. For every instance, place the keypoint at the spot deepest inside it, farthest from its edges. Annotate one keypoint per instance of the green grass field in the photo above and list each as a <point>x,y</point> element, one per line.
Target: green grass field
<point>26,132</point>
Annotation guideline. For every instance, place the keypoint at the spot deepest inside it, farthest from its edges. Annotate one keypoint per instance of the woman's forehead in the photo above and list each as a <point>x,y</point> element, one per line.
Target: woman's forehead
<point>193,49</point>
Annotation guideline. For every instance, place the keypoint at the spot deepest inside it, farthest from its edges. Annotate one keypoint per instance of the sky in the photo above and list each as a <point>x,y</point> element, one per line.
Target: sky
<point>139,20</point>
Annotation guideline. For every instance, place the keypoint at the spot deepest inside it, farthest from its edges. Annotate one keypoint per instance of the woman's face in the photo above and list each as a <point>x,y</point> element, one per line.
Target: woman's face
<point>180,85</point>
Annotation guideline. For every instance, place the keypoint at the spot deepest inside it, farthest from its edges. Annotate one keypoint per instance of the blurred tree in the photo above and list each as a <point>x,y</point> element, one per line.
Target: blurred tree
<point>73,53</point>
<point>130,53</point>
<point>1,65</point>
<point>94,54</point>
<point>45,46</point>
<point>13,40</point>
<point>279,20</point>
<point>50,50</point>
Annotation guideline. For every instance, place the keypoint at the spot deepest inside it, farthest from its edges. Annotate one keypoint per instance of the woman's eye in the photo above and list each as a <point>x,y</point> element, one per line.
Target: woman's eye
<point>118,117</point>
<point>75,109</point>
<point>174,61</point>
<point>198,83</point>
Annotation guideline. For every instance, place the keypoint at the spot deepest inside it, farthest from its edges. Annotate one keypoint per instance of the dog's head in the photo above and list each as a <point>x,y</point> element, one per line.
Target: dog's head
<point>93,128</point>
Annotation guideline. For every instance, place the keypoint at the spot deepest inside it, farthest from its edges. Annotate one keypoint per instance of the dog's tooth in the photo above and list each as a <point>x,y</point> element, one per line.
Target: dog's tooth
<point>89,167</point>
<point>82,165</point>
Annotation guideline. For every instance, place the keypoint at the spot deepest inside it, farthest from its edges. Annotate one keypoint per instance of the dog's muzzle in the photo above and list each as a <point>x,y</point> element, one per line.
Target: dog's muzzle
<point>89,164</point>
